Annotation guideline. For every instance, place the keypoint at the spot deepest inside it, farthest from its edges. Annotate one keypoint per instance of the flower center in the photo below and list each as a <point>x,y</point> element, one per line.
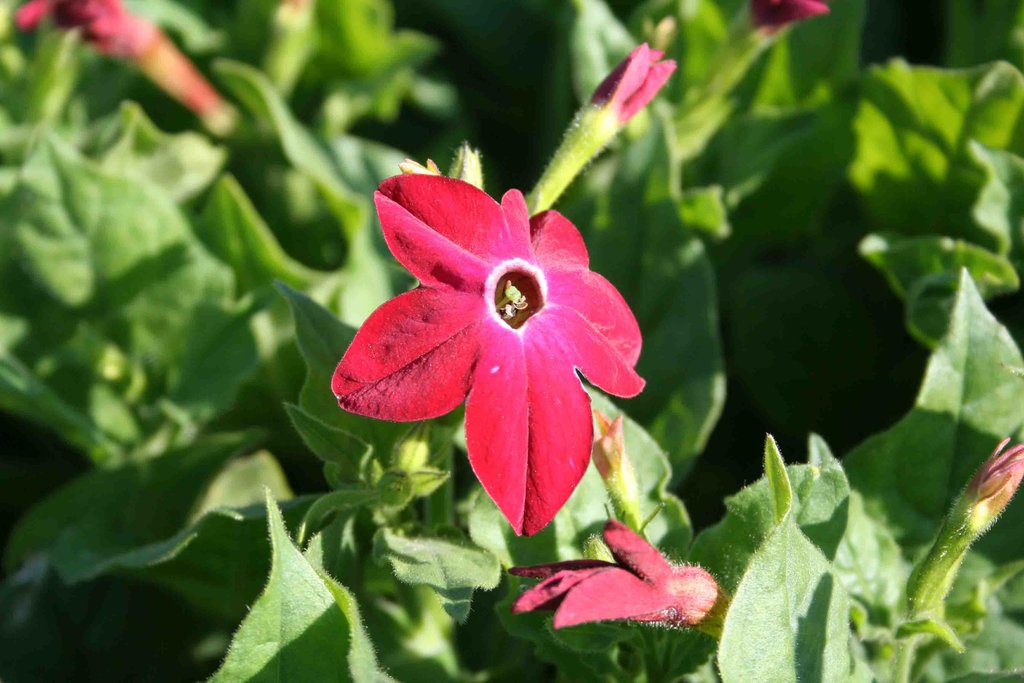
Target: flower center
<point>517,296</point>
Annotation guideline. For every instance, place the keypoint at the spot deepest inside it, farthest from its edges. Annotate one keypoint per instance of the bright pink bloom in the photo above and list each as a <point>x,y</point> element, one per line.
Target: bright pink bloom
<point>640,586</point>
<point>998,479</point>
<point>106,24</point>
<point>774,14</point>
<point>418,356</point>
<point>634,82</point>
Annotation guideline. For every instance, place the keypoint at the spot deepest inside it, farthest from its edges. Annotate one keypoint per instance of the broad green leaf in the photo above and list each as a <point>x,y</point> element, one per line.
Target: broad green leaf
<point>818,506</point>
<point>789,617</point>
<point>182,164</point>
<point>358,38</point>
<point>915,127</point>
<point>304,627</point>
<point>233,230</point>
<point>924,271</point>
<point>1000,206</point>
<point>450,564</point>
<point>218,357</point>
<point>332,445</point>
<point>119,246</point>
<point>903,261</point>
<point>702,209</point>
<point>139,514</point>
<point>869,565</point>
<point>967,403</point>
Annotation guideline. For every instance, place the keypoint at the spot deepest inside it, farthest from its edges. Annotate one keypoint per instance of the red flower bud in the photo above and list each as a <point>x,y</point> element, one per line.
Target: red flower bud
<point>774,14</point>
<point>633,83</point>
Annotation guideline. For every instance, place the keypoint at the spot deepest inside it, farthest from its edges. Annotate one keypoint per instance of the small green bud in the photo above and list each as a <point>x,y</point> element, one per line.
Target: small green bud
<point>467,166</point>
<point>595,549</point>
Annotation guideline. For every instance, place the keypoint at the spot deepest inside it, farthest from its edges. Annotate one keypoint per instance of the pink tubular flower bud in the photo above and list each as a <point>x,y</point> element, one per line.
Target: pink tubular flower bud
<point>633,83</point>
<point>113,31</point>
<point>995,483</point>
<point>774,14</point>
<point>609,444</point>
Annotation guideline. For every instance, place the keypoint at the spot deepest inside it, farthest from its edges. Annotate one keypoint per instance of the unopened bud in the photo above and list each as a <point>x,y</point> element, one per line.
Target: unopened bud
<point>609,456</point>
<point>413,453</point>
<point>994,484</point>
<point>467,166</point>
<point>595,549</point>
<point>410,167</point>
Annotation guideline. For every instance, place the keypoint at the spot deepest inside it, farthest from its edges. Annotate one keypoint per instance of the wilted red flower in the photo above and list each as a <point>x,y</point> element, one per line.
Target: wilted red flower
<point>506,312</point>
<point>640,586</point>
<point>773,14</point>
<point>634,82</point>
<point>995,483</point>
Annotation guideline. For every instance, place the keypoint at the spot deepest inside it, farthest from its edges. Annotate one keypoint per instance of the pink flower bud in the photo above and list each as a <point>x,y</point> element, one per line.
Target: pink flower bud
<point>609,445</point>
<point>995,482</point>
<point>774,14</point>
<point>633,83</point>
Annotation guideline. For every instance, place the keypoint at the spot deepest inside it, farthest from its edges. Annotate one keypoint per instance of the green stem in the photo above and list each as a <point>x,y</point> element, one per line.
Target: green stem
<point>589,133</point>
<point>933,576</point>
<point>440,506</point>
<point>903,662</point>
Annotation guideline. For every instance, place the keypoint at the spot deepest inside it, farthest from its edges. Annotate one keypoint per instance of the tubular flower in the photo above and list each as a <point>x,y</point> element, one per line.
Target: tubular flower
<point>639,586</point>
<point>633,83</point>
<point>774,14</point>
<point>113,31</point>
<point>506,313</point>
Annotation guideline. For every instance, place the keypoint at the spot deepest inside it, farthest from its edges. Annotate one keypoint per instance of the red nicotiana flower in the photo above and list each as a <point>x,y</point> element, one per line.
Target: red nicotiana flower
<point>634,82</point>
<point>640,586</point>
<point>104,23</point>
<point>774,14</point>
<point>506,312</point>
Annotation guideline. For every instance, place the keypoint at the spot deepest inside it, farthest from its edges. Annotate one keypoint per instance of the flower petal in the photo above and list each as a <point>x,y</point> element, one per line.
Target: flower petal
<point>632,551</point>
<point>433,258</point>
<point>657,75</point>
<point>609,594</point>
<point>462,214</point>
<point>548,594</point>
<point>528,425</point>
<point>601,305</point>
<point>557,244</point>
<point>413,357</point>
<point>544,571</point>
<point>31,14</point>
<point>590,352</point>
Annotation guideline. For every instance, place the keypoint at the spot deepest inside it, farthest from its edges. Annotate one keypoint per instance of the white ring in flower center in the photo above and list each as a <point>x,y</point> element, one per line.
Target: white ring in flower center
<point>499,273</point>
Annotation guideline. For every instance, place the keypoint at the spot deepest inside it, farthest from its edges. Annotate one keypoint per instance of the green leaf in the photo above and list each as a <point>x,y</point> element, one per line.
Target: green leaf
<point>924,271</point>
<point>451,565</point>
<point>304,627</point>
<point>332,445</point>
<point>702,209</point>
<point>915,129</point>
<point>122,247</point>
<point>1000,206</point>
<point>904,261</point>
<point>967,403</point>
<point>231,228</point>
<point>130,515</point>
<point>182,164</point>
<point>218,357</point>
<point>778,479</point>
<point>789,617</point>
<point>818,504</point>
<point>358,38</point>
<point>931,627</point>
<point>870,566</point>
